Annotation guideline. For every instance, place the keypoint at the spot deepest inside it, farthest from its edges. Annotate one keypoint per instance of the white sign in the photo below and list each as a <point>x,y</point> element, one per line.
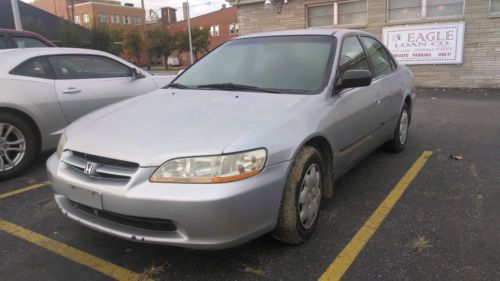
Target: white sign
<point>426,44</point>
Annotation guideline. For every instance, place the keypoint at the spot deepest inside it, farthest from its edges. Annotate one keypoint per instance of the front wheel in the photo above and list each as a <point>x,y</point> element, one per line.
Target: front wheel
<point>398,143</point>
<point>18,145</point>
<point>301,200</point>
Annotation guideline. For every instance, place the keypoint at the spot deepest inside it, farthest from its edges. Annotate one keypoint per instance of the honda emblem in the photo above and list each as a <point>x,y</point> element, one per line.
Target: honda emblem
<point>90,168</point>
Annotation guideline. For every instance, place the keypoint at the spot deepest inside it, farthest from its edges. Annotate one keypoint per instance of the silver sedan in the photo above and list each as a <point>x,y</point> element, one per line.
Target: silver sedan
<point>44,89</point>
<point>247,141</point>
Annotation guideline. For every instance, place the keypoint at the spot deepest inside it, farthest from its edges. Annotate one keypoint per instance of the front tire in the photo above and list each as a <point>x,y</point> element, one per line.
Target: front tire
<point>398,143</point>
<point>301,202</point>
<point>18,145</point>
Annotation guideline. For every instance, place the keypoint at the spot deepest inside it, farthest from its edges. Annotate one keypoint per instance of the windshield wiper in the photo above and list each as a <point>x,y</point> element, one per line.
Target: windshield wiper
<point>236,87</point>
<point>177,86</point>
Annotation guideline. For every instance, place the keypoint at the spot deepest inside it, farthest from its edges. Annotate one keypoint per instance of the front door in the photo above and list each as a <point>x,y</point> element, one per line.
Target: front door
<point>88,82</point>
<point>353,110</point>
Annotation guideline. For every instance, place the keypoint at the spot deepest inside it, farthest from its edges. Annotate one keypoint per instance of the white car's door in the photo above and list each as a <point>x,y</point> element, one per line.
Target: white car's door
<point>87,82</point>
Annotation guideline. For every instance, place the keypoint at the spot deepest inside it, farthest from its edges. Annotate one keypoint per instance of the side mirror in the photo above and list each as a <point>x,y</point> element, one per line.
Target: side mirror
<point>137,74</point>
<point>180,72</point>
<point>355,78</point>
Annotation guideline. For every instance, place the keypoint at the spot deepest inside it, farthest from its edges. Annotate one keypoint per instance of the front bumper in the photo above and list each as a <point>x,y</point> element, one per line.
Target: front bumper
<point>206,216</point>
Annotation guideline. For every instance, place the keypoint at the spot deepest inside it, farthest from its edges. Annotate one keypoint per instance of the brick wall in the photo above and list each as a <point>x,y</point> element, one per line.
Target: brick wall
<point>481,66</point>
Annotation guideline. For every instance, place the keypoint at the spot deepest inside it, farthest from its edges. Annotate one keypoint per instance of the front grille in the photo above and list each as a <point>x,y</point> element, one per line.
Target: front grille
<point>106,168</point>
<point>135,222</point>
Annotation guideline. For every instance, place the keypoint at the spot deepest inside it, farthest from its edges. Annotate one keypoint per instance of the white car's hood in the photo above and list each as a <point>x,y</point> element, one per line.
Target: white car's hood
<point>168,124</point>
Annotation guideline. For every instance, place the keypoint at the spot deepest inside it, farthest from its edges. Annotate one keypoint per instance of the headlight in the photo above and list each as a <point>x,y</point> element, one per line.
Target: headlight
<point>212,169</point>
<point>60,145</point>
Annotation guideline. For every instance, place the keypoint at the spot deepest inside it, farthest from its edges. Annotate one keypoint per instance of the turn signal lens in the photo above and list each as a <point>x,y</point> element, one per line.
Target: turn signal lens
<point>212,169</point>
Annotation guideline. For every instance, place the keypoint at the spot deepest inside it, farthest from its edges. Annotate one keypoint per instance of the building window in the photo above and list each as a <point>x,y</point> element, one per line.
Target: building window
<point>137,21</point>
<point>234,29</point>
<point>214,30</point>
<point>103,18</point>
<point>495,7</point>
<point>115,18</point>
<point>353,12</point>
<point>126,20</point>
<point>77,19</point>
<point>399,10</point>
<point>86,18</point>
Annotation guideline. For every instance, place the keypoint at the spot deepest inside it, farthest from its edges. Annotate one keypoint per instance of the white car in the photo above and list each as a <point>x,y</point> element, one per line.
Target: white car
<point>45,89</point>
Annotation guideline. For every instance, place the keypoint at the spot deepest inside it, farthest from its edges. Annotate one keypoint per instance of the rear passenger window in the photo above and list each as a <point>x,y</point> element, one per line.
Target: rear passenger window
<point>378,57</point>
<point>28,42</point>
<point>36,67</point>
<point>352,56</point>
<point>88,67</point>
<point>3,43</point>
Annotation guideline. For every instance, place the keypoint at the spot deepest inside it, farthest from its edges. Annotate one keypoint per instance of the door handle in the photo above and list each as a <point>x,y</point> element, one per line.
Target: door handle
<point>377,102</point>
<point>71,91</point>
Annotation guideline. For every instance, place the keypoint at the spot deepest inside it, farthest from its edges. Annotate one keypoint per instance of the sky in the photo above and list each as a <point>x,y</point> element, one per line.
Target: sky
<point>198,7</point>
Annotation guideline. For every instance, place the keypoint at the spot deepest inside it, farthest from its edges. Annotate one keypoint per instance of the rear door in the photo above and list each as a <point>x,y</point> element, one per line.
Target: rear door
<point>88,82</point>
<point>387,79</point>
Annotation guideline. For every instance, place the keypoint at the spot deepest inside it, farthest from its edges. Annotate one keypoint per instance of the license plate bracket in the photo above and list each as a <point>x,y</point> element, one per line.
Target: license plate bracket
<point>86,197</point>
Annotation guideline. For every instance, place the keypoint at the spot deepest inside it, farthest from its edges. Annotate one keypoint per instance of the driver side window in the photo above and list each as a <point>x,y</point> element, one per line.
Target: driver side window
<point>87,67</point>
<point>352,56</point>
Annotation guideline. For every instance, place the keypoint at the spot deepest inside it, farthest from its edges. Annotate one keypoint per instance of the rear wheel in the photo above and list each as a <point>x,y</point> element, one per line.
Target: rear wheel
<point>398,143</point>
<point>18,145</point>
<point>301,200</point>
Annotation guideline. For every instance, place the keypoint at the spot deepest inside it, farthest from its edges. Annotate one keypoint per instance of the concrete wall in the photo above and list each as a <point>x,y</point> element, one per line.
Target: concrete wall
<point>481,67</point>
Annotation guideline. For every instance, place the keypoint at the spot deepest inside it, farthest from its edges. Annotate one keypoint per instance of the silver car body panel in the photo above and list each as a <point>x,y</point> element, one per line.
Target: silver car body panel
<point>173,123</point>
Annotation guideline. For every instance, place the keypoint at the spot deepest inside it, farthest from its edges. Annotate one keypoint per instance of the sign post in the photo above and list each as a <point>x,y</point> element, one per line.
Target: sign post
<point>426,44</point>
<point>17,16</point>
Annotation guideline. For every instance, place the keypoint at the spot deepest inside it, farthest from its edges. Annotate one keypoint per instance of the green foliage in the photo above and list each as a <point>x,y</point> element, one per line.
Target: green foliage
<point>70,35</point>
<point>133,44</point>
<point>159,43</point>
<point>200,41</point>
<point>100,37</point>
<point>116,42</point>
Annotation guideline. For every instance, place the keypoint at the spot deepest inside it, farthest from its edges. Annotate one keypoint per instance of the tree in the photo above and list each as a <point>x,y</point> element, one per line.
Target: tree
<point>116,42</point>
<point>70,35</point>
<point>133,44</point>
<point>159,43</point>
<point>100,37</point>
<point>200,40</point>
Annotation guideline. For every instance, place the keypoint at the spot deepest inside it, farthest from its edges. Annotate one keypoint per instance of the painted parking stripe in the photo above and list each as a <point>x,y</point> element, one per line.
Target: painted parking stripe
<point>24,189</point>
<point>344,260</point>
<point>73,254</point>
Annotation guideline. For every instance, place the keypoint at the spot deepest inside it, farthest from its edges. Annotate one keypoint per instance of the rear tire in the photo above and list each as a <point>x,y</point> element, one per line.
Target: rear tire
<point>301,202</point>
<point>398,143</point>
<point>18,145</point>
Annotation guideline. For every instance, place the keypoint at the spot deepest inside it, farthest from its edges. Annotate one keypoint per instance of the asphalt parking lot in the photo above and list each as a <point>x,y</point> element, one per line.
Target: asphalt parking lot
<point>445,226</point>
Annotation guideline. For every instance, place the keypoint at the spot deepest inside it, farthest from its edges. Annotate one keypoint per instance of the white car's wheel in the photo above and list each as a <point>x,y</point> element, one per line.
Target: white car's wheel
<point>18,146</point>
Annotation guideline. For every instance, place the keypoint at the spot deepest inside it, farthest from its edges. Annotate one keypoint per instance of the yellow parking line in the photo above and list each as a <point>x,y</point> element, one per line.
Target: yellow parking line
<point>344,260</point>
<point>69,252</point>
<point>21,190</point>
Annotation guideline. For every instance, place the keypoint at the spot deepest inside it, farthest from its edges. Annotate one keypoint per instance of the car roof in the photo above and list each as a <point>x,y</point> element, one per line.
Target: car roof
<point>27,33</point>
<point>337,32</point>
<point>13,57</point>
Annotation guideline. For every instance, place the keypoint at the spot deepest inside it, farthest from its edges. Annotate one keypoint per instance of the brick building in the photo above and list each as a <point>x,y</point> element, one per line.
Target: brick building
<point>476,48</point>
<point>222,24</point>
<point>85,12</point>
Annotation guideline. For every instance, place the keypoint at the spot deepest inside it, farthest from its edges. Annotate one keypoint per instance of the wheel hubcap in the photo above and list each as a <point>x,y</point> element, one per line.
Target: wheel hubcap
<point>403,127</point>
<point>310,196</point>
<point>12,146</point>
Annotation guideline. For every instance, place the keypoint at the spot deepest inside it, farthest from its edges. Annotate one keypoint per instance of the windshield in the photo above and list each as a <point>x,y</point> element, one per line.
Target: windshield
<point>283,64</point>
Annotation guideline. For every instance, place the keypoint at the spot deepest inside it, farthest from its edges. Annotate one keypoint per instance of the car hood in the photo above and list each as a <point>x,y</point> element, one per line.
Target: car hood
<point>167,124</point>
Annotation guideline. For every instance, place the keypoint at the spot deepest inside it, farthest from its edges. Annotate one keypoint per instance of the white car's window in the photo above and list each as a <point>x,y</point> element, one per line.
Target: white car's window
<point>352,56</point>
<point>87,67</point>
<point>36,67</point>
<point>378,56</point>
<point>290,64</point>
<point>28,42</point>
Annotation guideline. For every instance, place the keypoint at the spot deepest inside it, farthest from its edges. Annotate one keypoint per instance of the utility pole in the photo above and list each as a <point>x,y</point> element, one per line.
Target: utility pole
<point>17,15</point>
<point>189,30</point>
